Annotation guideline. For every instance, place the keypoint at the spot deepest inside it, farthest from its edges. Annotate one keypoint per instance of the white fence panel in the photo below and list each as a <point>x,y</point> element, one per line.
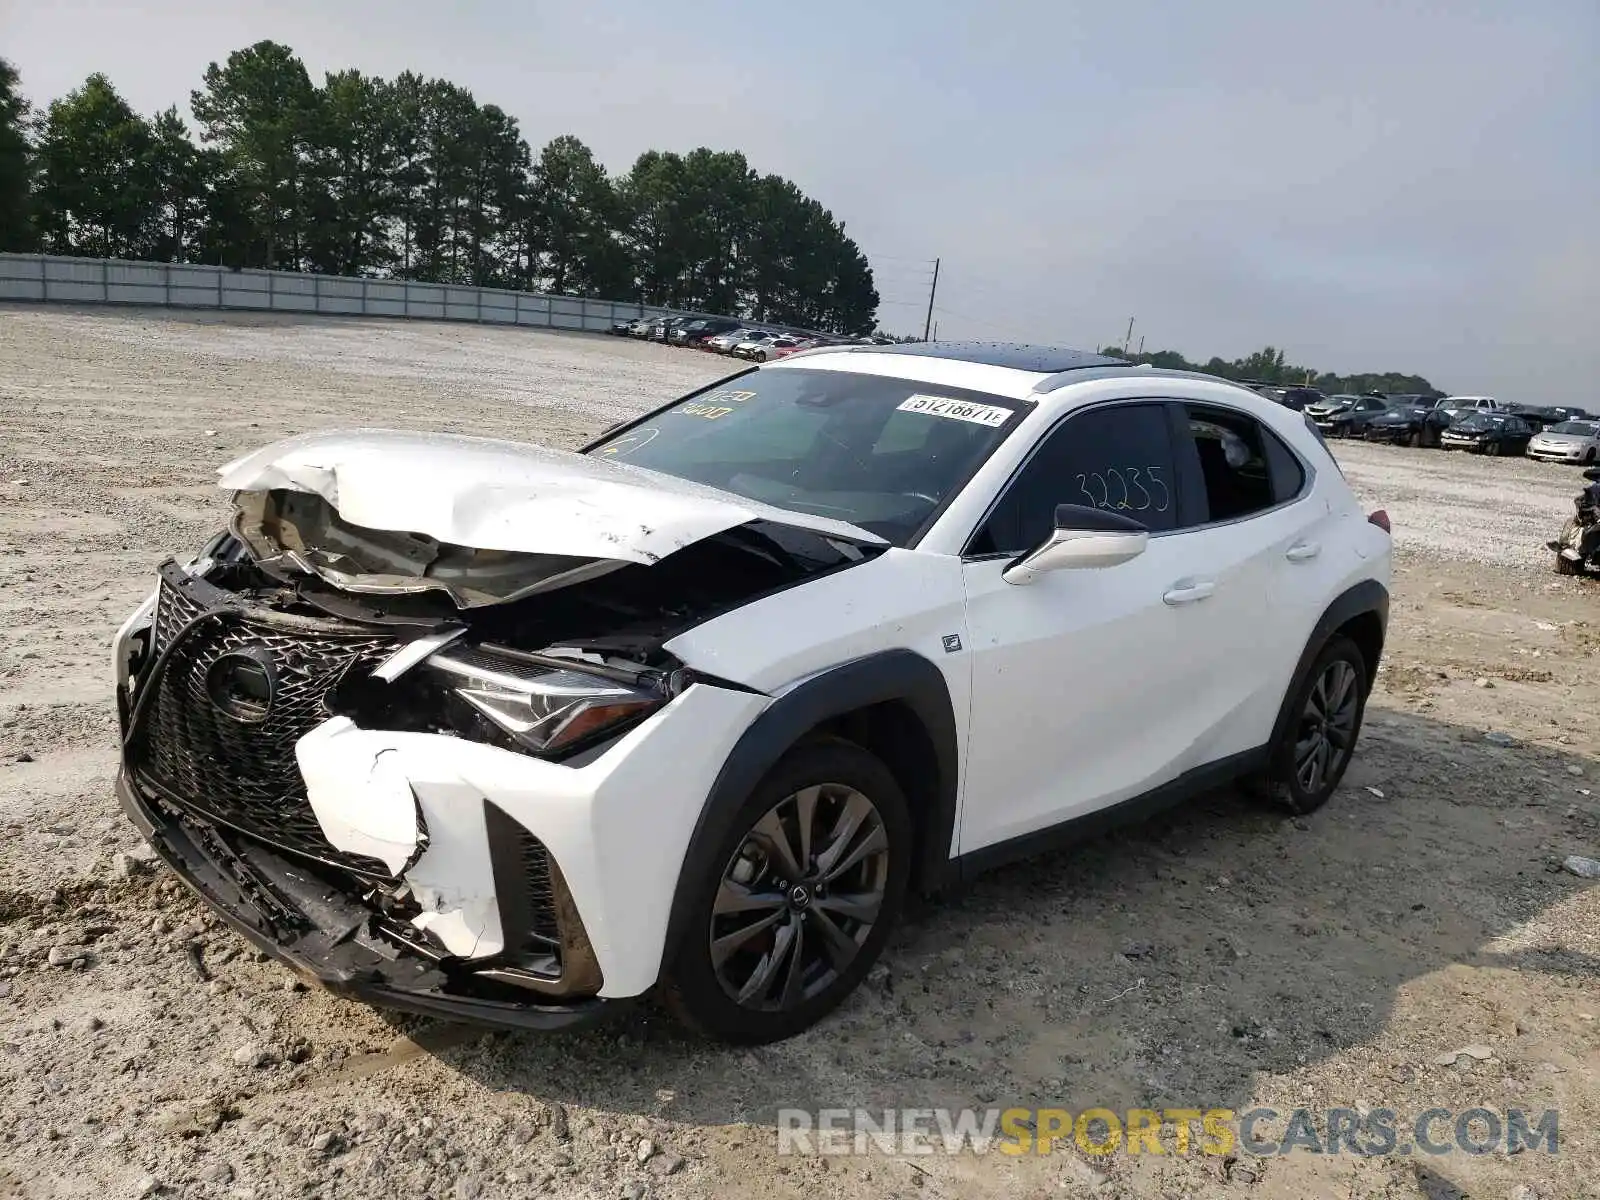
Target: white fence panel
<point>35,277</point>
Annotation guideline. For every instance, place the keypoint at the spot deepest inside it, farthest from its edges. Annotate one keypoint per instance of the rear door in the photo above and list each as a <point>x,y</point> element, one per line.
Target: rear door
<point>1263,536</point>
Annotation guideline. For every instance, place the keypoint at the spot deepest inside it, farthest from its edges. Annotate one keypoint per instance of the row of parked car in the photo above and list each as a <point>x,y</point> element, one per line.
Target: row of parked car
<point>725,335</point>
<point>1480,424</point>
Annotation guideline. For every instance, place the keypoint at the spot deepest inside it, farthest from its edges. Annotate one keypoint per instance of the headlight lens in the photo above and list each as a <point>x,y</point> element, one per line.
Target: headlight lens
<point>546,709</point>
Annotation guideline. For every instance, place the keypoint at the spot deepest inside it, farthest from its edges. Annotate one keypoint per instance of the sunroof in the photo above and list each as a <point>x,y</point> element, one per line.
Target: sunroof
<point>1019,356</point>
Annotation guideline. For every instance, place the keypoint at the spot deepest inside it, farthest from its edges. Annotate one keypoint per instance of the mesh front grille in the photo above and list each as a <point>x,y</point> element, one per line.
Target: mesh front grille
<point>243,774</point>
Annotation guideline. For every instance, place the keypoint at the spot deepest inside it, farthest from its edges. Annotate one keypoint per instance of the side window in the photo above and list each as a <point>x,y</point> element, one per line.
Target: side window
<point>1233,463</point>
<point>1117,458</point>
<point>1288,476</point>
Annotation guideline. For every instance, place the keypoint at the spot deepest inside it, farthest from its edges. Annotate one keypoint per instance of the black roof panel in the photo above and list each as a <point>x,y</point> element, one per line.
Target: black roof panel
<point>1018,355</point>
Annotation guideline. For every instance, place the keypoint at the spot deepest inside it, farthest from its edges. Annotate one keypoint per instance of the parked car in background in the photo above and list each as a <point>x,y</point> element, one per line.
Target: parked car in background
<point>696,331</point>
<point>762,349</point>
<point>1414,424</point>
<point>1329,405</point>
<point>1405,399</point>
<point>723,343</point>
<point>1462,404</point>
<point>1568,442</point>
<point>1299,398</point>
<point>1343,416</point>
<point>1352,419</point>
<point>801,344</point>
<point>1486,432</point>
<point>1541,417</point>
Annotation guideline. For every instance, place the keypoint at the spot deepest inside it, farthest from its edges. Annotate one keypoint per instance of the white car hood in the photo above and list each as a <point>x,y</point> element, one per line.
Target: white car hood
<point>507,496</point>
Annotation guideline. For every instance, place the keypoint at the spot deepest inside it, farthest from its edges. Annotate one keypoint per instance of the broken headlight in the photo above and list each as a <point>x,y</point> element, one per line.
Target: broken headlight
<point>543,704</point>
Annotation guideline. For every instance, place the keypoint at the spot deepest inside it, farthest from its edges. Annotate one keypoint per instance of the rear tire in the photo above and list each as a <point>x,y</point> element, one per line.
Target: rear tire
<point>759,962</point>
<point>1318,739</point>
<point>1415,441</point>
<point>1492,449</point>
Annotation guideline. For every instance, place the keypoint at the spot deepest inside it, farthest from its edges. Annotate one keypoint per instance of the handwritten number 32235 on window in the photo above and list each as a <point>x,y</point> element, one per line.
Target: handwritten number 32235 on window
<point>1126,489</point>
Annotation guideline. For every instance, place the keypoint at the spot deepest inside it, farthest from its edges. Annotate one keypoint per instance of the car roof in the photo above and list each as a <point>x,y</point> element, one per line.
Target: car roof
<point>1018,356</point>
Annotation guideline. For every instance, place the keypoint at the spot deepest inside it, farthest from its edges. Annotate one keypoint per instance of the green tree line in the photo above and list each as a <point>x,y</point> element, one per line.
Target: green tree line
<point>413,178</point>
<point>1268,366</point>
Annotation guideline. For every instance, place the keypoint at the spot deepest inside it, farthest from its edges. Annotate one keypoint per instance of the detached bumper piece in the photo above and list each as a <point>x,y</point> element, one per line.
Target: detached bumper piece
<point>294,914</point>
<point>218,793</point>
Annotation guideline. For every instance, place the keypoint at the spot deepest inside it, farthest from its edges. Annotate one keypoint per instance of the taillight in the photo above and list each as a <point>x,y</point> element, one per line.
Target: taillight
<point>1379,518</point>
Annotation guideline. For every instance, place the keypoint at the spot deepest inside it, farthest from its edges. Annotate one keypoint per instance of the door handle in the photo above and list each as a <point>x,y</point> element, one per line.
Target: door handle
<point>1187,591</point>
<point>1303,551</point>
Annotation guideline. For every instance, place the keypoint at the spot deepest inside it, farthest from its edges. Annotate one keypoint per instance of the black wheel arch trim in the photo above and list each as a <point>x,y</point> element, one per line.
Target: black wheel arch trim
<point>902,676</point>
<point>1367,597</point>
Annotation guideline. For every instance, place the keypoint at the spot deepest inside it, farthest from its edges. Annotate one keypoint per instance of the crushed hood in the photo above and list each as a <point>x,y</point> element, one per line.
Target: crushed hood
<point>483,520</point>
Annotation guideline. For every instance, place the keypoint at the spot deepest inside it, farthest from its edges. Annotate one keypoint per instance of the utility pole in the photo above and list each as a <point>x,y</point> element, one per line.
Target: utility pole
<point>1128,337</point>
<point>927,326</point>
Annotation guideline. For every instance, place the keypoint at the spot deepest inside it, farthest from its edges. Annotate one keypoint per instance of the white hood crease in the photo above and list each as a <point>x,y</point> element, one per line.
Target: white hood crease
<point>507,496</point>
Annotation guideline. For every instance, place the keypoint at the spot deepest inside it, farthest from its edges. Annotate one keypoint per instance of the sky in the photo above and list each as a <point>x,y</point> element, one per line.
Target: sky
<point>1371,185</point>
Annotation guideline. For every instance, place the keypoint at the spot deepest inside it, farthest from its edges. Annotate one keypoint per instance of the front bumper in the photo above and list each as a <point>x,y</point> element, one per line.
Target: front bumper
<point>339,952</point>
<point>613,828</point>
<point>1566,454</point>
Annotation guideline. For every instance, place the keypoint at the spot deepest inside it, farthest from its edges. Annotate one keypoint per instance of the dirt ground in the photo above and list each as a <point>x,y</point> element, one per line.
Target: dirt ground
<point>1223,956</point>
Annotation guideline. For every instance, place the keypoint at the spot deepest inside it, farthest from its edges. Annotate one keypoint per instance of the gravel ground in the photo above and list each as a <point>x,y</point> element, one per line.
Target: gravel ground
<point>1218,957</point>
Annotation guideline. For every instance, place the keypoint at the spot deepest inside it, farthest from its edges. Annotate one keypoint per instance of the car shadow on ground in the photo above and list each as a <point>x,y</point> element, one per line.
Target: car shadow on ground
<point>1172,964</point>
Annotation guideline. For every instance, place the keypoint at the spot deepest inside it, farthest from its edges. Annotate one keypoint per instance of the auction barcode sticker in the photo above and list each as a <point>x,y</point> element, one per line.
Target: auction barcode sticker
<point>956,410</point>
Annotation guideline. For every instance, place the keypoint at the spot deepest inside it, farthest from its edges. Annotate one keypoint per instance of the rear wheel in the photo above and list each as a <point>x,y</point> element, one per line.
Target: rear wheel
<point>1492,449</point>
<point>810,878</point>
<point>1415,440</point>
<point>1314,749</point>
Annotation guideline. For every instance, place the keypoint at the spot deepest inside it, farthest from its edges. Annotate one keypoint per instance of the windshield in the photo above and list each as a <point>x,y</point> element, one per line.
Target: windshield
<point>880,453</point>
<point>1480,423</point>
<point>1580,428</point>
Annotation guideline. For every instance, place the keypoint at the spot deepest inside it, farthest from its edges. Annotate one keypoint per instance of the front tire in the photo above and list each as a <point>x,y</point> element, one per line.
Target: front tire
<point>1319,738</point>
<point>1492,449</point>
<point>808,881</point>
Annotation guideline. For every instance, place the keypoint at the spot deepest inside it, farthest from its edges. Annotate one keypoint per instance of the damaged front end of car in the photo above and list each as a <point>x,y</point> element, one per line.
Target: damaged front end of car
<point>393,756</point>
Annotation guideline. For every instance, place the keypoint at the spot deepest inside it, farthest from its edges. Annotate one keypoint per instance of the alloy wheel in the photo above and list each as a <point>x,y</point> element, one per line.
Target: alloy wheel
<point>799,897</point>
<point>1327,727</point>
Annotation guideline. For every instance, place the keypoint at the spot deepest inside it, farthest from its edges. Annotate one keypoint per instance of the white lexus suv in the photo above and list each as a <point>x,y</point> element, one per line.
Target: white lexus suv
<point>514,735</point>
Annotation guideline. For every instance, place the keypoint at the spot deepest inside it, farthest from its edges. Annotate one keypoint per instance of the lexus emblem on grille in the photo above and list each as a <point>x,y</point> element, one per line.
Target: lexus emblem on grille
<point>242,685</point>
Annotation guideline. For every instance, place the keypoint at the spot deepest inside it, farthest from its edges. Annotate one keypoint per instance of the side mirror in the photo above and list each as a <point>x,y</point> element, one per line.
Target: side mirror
<point>1084,537</point>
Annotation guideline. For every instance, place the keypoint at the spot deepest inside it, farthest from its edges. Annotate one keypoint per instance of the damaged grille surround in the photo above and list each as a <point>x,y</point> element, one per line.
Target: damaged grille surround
<point>242,774</point>
<point>227,787</point>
